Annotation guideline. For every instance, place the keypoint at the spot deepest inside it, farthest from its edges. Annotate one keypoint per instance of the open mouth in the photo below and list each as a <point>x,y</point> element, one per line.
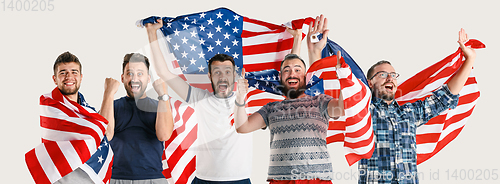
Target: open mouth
<point>135,87</point>
<point>223,87</point>
<point>293,82</point>
<point>389,86</point>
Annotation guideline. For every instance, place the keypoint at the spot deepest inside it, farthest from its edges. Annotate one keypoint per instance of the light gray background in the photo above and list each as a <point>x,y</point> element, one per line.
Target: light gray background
<point>413,35</point>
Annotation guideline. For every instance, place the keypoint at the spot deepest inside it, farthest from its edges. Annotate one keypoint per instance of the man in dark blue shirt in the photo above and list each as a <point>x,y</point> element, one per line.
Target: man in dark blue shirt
<point>138,125</point>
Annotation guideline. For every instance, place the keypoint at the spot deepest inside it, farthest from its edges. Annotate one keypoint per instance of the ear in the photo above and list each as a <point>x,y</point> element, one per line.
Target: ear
<point>209,75</point>
<point>122,78</point>
<point>54,78</point>
<point>149,78</point>
<point>370,84</point>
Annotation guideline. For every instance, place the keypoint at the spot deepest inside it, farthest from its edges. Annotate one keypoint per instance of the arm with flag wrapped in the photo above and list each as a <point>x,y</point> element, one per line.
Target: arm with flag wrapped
<point>454,70</point>
<point>356,123</point>
<point>354,95</point>
<point>457,82</point>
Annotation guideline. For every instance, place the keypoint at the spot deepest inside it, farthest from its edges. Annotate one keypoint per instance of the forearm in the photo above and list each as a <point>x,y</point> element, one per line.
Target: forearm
<point>178,84</point>
<point>297,42</point>
<point>107,112</point>
<point>313,56</point>
<point>164,121</point>
<point>458,81</point>
<point>336,107</point>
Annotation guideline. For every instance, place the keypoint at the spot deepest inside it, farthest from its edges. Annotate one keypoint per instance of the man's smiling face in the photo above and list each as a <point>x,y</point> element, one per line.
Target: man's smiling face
<point>383,88</point>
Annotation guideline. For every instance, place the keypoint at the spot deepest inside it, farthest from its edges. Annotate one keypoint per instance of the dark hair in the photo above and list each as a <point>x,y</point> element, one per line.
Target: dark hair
<point>220,58</point>
<point>135,57</point>
<point>370,71</point>
<point>292,56</point>
<point>66,57</point>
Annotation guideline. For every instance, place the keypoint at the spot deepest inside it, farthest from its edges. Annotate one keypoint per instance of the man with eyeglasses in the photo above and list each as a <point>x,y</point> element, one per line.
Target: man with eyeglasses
<point>394,159</point>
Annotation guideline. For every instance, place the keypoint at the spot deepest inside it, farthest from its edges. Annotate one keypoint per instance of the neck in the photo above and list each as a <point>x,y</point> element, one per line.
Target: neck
<point>218,95</point>
<point>388,101</point>
<point>300,96</point>
<point>73,97</point>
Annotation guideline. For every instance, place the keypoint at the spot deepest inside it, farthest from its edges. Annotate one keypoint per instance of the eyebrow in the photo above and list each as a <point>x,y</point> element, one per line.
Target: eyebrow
<point>293,66</point>
<point>140,70</point>
<point>227,67</point>
<point>65,70</point>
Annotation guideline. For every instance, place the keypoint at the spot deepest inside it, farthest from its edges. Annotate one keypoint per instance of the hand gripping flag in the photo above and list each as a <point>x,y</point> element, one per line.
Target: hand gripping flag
<point>193,39</point>
<point>72,137</point>
<point>441,130</point>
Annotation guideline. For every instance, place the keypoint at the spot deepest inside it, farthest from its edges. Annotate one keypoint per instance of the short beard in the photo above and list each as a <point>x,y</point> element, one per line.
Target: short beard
<point>387,97</point>
<point>66,93</point>
<point>293,93</point>
<point>134,95</point>
<point>229,88</point>
<point>384,96</point>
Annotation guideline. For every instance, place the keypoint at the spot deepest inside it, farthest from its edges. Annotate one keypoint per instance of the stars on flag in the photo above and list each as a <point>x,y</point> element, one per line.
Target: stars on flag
<point>195,38</point>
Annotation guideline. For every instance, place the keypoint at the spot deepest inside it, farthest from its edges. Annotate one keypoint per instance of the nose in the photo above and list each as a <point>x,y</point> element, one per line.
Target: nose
<point>67,76</point>
<point>389,78</point>
<point>134,78</point>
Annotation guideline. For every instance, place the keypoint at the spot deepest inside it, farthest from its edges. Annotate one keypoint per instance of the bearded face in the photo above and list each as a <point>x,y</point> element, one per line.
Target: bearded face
<point>222,77</point>
<point>135,78</point>
<point>293,78</point>
<point>383,88</point>
<point>68,78</point>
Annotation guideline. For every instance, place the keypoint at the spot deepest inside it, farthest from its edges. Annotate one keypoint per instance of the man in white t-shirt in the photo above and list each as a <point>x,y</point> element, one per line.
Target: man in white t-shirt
<point>221,153</point>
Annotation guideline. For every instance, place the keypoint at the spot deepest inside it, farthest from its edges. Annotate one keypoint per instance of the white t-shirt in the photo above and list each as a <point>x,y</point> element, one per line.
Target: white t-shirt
<point>222,154</point>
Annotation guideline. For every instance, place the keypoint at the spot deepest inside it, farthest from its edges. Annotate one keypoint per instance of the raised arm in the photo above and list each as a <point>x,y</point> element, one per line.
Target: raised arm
<point>457,82</point>
<point>243,122</point>
<point>314,49</point>
<point>297,40</point>
<point>180,86</point>
<point>336,106</point>
<point>164,121</point>
<point>107,109</point>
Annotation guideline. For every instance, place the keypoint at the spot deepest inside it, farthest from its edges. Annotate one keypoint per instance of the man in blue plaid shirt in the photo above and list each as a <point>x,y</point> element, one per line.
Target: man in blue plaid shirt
<point>394,159</point>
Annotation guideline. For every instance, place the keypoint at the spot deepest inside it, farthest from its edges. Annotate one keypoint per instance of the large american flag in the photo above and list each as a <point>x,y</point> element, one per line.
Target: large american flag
<point>441,130</point>
<point>72,137</point>
<point>194,39</point>
<point>257,46</point>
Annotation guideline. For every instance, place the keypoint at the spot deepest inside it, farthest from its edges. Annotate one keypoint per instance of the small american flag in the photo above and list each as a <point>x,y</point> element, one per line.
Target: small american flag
<point>72,137</point>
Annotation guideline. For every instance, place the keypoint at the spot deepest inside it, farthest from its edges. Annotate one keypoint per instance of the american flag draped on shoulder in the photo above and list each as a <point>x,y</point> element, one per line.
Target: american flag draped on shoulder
<point>72,137</point>
<point>194,39</point>
<point>441,130</point>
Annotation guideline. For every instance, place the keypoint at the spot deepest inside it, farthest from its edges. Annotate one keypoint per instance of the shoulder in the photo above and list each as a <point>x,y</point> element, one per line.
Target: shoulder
<point>322,97</point>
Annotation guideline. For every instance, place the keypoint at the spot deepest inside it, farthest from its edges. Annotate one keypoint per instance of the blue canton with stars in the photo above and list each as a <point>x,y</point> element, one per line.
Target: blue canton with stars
<point>268,80</point>
<point>196,38</point>
<point>97,160</point>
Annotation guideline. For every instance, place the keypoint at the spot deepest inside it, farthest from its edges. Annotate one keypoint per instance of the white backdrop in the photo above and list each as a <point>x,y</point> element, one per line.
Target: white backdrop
<point>412,35</point>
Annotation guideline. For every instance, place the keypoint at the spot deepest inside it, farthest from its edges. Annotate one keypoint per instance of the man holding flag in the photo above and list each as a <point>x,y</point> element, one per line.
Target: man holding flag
<point>395,157</point>
<point>298,124</point>
<point>221,154</point>
<point>74,148</point>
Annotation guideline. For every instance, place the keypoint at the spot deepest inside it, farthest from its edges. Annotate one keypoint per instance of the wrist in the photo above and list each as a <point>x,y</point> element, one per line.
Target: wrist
<point>240,104</point>
<point>163,97</point>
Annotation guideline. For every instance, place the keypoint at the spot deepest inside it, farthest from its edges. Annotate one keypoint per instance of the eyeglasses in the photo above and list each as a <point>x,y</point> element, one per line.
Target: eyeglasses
<point>384,74</point>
